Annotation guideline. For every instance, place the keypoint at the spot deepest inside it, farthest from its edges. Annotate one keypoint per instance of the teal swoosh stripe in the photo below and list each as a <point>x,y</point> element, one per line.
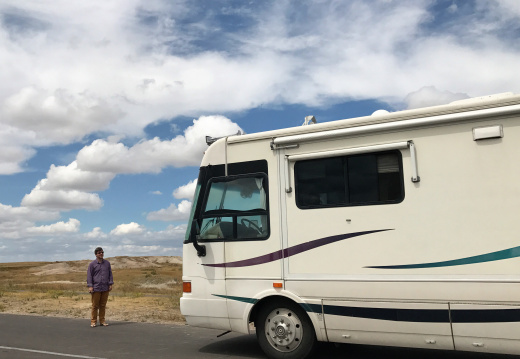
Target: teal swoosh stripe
<point>489,257</point>
<point>240,299</point>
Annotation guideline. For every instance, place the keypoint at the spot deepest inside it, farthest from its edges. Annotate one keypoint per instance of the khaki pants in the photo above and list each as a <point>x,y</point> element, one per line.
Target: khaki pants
<point>99,302</point>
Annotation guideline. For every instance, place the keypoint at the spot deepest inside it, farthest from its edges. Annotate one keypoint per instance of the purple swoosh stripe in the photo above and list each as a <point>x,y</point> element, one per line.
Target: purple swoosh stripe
<point>271,257</point>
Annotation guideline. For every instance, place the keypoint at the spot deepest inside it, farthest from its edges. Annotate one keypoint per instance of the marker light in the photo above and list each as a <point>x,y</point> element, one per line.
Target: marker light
<point>186,287</point>
<point>277,285</point>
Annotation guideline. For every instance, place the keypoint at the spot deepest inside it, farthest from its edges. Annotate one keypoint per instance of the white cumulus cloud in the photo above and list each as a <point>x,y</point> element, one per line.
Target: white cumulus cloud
<point>430,96</point>
<point>72,226</point>
<point>187,191</point>
<point>67,188</point>
<point>10,213</point>
<point>13,155</point>
<point>62,200</point>
<point>59,116</point>
<point>150,156</point>
<point>172,213</point>
<point>96,233</point>
<point>72,178</point>
<point>127,229</point>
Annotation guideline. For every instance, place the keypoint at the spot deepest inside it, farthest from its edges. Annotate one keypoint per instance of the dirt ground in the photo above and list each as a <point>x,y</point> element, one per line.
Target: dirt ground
<point>143,309</point>
<point>146,289</point>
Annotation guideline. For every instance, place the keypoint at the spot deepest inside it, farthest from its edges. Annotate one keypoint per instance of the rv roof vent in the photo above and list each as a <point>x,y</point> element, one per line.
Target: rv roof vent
<point>380,113</point>
<point>309,120</point>
<point>497,96</point>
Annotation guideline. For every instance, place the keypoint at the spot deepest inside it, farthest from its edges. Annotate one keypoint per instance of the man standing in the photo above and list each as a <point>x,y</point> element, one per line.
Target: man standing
<point>99,282</point>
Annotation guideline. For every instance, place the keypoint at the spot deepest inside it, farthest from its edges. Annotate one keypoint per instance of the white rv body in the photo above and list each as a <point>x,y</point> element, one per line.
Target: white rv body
<point>436,267</point>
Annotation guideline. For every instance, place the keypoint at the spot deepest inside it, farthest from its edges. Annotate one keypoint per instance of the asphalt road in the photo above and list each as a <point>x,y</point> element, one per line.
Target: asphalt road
<point>59,338</point>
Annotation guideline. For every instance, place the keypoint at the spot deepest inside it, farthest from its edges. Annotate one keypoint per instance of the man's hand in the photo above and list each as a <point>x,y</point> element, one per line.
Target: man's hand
<point>91,289</point>
<point>109,288</point>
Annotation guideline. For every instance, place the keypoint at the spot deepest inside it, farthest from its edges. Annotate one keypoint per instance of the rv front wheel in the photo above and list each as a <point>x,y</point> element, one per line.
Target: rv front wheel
<point>285,331</point>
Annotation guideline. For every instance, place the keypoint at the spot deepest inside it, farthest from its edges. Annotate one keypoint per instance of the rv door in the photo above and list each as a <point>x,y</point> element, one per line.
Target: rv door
<point>203,306</point>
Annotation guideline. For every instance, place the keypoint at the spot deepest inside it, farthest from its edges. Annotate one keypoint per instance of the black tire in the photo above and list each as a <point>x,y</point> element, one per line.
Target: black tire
<point>284,330</point>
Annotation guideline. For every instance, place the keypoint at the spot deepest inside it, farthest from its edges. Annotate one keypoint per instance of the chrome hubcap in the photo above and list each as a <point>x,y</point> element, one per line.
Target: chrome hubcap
<point>283,330</point>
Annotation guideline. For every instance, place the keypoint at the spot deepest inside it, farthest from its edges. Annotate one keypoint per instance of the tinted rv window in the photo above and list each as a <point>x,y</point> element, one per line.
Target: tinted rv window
<point>236,208</point>
<point>350,180</point>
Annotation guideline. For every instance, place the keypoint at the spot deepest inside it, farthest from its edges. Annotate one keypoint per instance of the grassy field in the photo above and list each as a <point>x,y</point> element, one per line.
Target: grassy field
<point>146,289</point>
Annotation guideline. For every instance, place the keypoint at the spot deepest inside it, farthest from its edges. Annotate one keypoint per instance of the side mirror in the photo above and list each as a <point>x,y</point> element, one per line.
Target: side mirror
<point>194,234</point>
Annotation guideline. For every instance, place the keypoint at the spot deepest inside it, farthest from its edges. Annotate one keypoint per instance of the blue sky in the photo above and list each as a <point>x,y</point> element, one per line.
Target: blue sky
<point>104,105</point>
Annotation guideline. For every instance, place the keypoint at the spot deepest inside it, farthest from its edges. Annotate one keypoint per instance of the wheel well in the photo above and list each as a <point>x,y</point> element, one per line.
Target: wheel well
<point>274,298</point>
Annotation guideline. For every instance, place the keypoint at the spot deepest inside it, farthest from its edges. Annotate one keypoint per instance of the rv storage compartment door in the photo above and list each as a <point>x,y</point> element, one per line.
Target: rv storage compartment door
<point>419,325</point>
<point>486,328</point>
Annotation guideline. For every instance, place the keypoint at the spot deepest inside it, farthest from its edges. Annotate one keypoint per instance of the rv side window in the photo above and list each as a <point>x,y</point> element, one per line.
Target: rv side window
<point>350,180</point>
<point>235,208</point>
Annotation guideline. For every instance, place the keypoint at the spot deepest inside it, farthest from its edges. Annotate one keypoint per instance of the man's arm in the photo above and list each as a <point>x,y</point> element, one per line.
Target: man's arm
<point>110,277</point>
<point>90,281</point>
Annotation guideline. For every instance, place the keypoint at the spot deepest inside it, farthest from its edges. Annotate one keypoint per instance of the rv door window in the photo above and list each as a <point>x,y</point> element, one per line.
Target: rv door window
<point>235,209</point>
<point>349,180</point>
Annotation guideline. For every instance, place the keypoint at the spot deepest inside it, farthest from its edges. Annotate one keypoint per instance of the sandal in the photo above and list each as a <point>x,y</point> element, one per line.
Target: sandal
<point>93,325</point>
<point>104,324</point>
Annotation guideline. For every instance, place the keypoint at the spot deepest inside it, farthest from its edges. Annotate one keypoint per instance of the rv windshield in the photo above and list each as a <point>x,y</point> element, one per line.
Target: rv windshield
<point>242,194</point>
<point>236,208</point>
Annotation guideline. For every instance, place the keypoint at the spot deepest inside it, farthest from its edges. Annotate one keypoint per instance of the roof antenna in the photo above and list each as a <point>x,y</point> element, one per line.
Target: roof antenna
<point>309,120</point>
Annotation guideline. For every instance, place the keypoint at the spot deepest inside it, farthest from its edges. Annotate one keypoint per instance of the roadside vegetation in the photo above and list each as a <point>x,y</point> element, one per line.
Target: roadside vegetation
<point>146,289</point>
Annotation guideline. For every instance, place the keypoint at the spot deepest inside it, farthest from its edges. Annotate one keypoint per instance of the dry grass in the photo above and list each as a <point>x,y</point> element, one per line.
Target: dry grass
<point>147,289</point>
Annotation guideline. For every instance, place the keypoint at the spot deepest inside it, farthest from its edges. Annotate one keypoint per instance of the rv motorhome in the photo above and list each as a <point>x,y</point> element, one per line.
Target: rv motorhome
<point>397,229</point>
